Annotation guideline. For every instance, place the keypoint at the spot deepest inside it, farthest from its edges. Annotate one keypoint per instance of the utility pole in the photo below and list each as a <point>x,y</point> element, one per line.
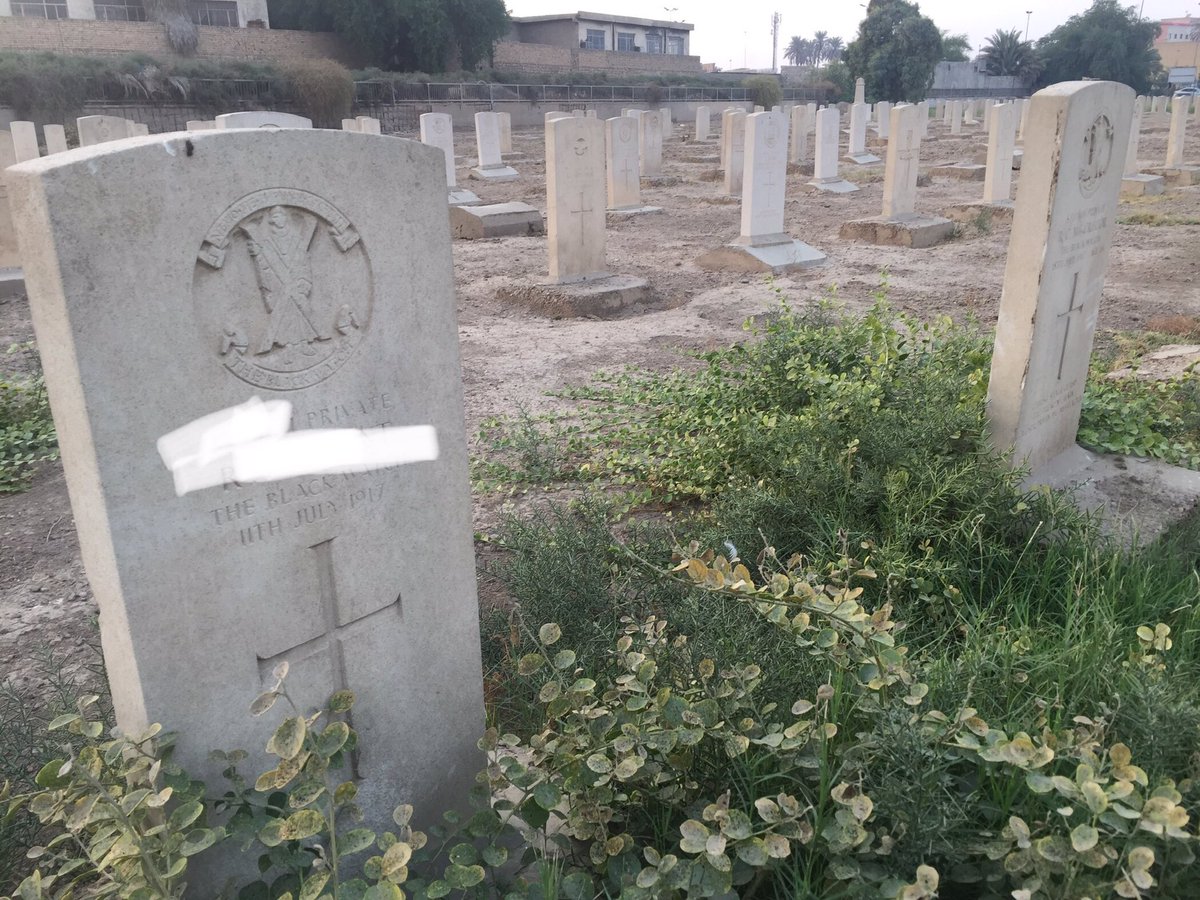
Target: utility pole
<point>776,19</point>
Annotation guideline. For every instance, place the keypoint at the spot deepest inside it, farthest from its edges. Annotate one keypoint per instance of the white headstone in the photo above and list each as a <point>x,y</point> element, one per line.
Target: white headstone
<point>826,140</point>
<point>350,125</point>
<point>138,129</point>
<point>860,90</point>
<point>1057,258</point>
<point>262,118</point>
<point>765,181</point>
<point>293,279</point>
<point>506,143</point>
<point>25,142</point>
<point>368,125</point>
<point>884,111</point>
<point>1176,135</point>
<point>650,138</point>
<point>859,114</point>
<point>1135,134</point>
<point>801,125</point>
<point>56,139</point>
<point>997,181</point>
<point>903,159</point>
<point>734,138</point>
<point>622,157</point>
<point>668,127</point>
<point>575,208</point>
<point>437,130</point>
<point>956,117</point>
<point>201,125</point>
<point>703,122</point>
<point>487,139</point>
<point>101,129</point>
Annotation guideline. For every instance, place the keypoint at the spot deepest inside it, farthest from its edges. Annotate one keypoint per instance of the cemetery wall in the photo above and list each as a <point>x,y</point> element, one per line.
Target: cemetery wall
<point>964,79</point>
<point>510,56</point>
<point>94,38</point>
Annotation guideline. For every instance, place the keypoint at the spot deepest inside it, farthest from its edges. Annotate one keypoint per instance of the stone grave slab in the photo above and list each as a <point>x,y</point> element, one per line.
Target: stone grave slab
<point>303,278</point>
<point>491,220</point>
<point>261,118</point>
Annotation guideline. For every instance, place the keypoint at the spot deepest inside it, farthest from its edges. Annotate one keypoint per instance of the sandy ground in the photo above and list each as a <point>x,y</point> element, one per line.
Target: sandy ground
<point>511,358</point>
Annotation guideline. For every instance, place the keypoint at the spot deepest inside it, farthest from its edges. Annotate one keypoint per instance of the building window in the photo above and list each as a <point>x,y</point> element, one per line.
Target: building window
<point>675,45</point>
<point>214,12</point>
<point>595,38</point>
<point>654,42</point>
<point>120,11</point>
<point>40,9</point>
<point>625,41</point>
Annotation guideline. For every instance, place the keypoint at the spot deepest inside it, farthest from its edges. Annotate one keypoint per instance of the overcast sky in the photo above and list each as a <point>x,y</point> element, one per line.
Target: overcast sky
<point>733,33</point>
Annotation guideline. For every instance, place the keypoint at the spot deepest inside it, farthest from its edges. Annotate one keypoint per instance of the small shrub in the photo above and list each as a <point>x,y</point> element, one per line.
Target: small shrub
<point>27,433</point>
<point>324,90</point>
<point>765,91</point>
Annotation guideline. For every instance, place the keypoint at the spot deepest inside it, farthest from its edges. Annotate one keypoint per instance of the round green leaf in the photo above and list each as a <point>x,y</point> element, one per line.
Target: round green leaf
<point>530,663</point>
<point>463,877</point>
<point>549,633</point>
<point>288,738</point>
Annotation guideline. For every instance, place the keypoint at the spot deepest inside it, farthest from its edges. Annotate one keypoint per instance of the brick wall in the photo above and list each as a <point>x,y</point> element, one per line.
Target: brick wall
<point>80,36</point>
<point>534,58</point>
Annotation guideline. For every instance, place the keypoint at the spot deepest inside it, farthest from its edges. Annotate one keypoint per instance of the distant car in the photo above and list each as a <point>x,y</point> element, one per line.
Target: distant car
<point>1193,91</point>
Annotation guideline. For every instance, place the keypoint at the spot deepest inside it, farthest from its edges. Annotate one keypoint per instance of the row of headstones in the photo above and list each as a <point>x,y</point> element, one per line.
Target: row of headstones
<point>202,596</point>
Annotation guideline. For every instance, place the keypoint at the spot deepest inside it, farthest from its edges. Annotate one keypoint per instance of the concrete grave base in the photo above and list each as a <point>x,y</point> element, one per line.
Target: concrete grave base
<point>626,212</point>
<point>600,297</point>
<point>463,198</point>
<point>971,212</point>
<point>495,174</point>
<point>863,159</point>
<point>775,256</point>
<point>495,220</point>
<point>962,171</point>
<point>834,186</point>
<point>1178,177</point>
<point>916,231</point>
<point>12,282</point>
<point>1138,499</point>
<point>709,159</point>
<point>661,181</point>
<point>1142,185</point>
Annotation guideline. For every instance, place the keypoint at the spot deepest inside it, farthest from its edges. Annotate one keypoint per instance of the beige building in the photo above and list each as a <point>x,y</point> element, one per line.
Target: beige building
<point>1179,46</point>
<point>228,13</point>
<point>600,31</point>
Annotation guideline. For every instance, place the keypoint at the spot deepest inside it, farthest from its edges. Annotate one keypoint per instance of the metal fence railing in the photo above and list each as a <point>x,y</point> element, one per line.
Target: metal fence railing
<point>390,92</point>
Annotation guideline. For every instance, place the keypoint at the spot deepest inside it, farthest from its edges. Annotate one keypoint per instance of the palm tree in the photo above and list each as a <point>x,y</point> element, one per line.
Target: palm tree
<point>834,47</point>
<point>818,47</point>
<point>797,50</point>
<point>1005,53</point>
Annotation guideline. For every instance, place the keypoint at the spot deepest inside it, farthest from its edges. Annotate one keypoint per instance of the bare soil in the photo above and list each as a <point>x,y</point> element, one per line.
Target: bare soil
<point>511,357</point>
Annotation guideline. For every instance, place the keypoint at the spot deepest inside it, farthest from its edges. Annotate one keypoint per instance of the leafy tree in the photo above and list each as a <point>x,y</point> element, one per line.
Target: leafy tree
<point>955,47</point>
<point>1108,41</point>
<point>1006,53</point>
<point>403,35</point>
<point>798,51</point>
<point>896,51</point>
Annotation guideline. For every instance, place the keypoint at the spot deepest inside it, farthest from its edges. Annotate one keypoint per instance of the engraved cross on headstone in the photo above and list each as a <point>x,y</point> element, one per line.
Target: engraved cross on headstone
<point>1071,310</point>
<point>584,208</point>
<point>335,626</point>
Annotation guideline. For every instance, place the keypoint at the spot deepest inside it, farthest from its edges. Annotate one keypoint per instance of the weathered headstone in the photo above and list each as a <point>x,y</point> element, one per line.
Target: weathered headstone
<point>1175,136</point>
<point>575,220</point>
<point>56,139</point>
<point>883,124</point>
<point>487,141</point>
<point>997,182</point>
<point>1134,183</point>
<point>101,129</point>
<point>262,118</point>
<point>25,142</point>
<point>801,125</point>
<point>437,130</point>
<point>763,245</point>
<point>506,142</point>
<point>734,138</point>
<point>900,224</point>
<point>860,90</point>
<point>860,113</point>
<point>292,279</point>
<point>11,281</point>
<point>138,129</point>
<point>703,123</point>
<point>368,125</point>
<point>1057,259</point>
<point>350,125</point>
<point>827,140</point>
<point>650,142</point>
<point>956,117</point>
<point>668,127</point>
<point>621,156</point>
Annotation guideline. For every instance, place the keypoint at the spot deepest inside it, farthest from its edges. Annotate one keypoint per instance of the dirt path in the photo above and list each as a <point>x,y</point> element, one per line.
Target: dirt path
<point>511,358</point>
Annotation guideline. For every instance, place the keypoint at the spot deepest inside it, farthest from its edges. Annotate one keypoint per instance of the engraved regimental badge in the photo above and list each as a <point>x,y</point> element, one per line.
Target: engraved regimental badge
<point>1097,154</point>
<point>283,289</point>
